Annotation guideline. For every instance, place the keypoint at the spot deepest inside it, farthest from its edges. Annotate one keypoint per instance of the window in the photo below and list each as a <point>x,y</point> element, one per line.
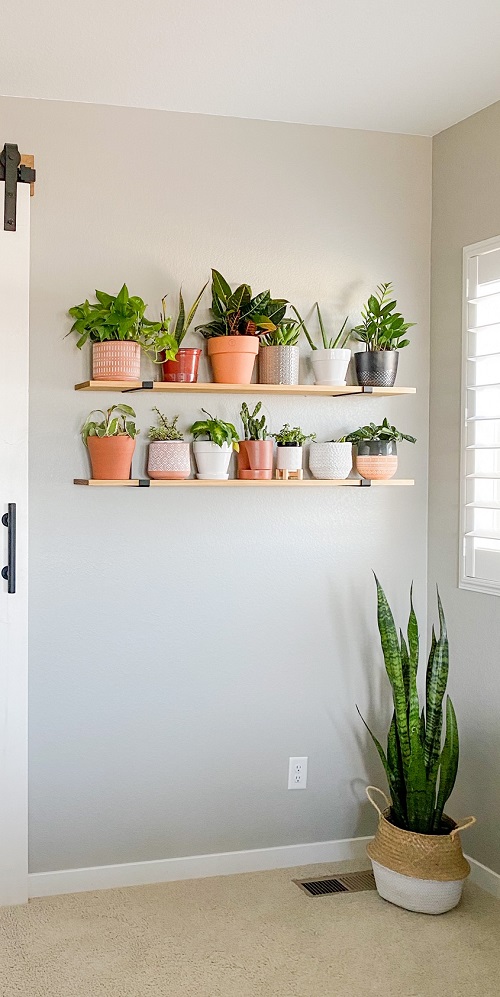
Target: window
<point>480,497</point>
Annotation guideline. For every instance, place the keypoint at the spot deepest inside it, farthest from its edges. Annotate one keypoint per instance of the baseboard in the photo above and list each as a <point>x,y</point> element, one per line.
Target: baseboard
<point>484,877</point>
<point>106,877</point>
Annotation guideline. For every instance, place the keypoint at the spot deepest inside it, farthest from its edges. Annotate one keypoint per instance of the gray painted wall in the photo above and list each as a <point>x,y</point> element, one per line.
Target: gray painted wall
<point>466,209</point>
<point>185,643</point>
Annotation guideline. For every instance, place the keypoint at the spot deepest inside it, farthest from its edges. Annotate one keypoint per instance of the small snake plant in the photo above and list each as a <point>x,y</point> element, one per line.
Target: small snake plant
<point>421,769</point>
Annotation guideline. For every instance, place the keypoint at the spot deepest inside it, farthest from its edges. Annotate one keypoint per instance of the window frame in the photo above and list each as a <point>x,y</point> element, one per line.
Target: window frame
<point>466,581</point>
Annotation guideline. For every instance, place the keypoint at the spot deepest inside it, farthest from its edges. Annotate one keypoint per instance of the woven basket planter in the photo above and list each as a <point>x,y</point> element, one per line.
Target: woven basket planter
<point>420,872</point>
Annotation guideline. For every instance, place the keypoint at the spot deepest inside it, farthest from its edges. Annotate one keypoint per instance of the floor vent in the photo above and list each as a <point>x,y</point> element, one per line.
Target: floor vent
<point>349,882</point>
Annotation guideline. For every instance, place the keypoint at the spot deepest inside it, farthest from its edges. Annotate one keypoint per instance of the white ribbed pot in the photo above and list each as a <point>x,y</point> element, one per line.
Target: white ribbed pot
<point>168,459</point>
<point>288,457</point>
<point>330,460</point>
<point>330,366</point>
<point>212,461</point>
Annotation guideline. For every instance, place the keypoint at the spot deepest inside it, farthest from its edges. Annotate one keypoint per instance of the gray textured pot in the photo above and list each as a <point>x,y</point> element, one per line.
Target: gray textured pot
<point>376,368</point>
<point>279,364</point>
<point>376,459</point>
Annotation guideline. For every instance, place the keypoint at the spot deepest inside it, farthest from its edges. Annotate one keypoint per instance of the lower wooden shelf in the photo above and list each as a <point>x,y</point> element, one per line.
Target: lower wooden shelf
<point>236,483</point>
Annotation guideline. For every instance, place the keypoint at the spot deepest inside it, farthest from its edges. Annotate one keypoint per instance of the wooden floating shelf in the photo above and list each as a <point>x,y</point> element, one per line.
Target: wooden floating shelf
<point>237,483</point>
<point>239,389</point>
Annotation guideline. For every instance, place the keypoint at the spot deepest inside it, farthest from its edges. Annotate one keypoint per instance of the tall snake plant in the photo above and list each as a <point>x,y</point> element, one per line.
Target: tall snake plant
<point>420,767</point>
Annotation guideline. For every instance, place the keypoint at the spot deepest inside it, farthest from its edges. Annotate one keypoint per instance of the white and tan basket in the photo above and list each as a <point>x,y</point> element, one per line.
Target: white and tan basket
<point>420,872</point>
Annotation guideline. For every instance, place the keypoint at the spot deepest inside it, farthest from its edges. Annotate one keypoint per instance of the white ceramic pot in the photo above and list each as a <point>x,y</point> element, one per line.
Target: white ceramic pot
<point>330,460</point>
<point>288,458</point>
<point>330,366</point>
<point>427,896</point>
<point>168,459</point>
<point>212,461</point>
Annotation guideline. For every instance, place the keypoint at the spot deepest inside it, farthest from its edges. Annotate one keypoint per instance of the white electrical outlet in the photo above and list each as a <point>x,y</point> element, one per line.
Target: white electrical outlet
<point>297,773</point>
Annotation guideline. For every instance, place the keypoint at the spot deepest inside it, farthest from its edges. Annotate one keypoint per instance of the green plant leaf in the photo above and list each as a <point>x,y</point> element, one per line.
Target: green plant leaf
<point>449,764</point>
<point>221,286</point>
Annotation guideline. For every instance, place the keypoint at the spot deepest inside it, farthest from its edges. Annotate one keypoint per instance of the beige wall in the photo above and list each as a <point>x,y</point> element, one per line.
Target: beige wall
<point>184,644</point>
<point>466,209</point>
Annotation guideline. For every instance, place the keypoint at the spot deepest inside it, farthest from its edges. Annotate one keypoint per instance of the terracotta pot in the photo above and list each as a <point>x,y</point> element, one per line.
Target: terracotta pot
<point>255,475</point>
<point>168,459</point>
<point>255,456</point>
<point>288,457</point>
<point>184,368</point>
<point>279,364</point>
<point>111,457</point>
<point>116,361</point>
<point>376,460</point>
<point>233,358</point>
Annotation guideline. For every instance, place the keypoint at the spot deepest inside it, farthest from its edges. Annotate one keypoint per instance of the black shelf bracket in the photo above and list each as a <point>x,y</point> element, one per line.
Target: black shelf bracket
<point>144,482</point>
<point>366,389</point>
<point>145,386</point>
<point>13,173</point>
<point>364,483</point>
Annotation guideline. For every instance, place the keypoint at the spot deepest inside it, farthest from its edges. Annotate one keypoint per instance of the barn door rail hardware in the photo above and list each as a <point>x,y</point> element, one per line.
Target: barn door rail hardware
<point>13,172</point>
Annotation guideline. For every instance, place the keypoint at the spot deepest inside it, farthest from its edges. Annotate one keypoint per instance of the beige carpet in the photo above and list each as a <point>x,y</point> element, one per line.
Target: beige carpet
<point>255,935</point>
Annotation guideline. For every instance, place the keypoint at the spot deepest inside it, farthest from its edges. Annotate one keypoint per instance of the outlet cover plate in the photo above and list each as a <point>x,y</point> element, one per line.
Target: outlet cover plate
<point>297,773</point>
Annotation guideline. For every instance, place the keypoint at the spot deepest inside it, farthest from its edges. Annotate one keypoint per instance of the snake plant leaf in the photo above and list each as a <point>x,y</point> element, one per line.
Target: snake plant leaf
<point>396,775</point>
<point>392,658</point>
<point>192,312</point>
<point>180,331</point>
<point>405,665</point>
<point>377,744</point>
<point>437,677</point>
<point>449,764</point>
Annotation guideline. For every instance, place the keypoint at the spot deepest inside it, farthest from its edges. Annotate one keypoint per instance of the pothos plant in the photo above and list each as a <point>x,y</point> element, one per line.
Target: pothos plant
<point>239,312</point>
<point>216,430</point>
<point>385,433</point>
<point>183,320</point>
<point>382,327</point>
<point>121,318</point>
<point>292,435</point>
<point>116,421</point>
<point>420,766</point>
<point>254,428</point>
<point>333,342</point>
<point>166,430</point>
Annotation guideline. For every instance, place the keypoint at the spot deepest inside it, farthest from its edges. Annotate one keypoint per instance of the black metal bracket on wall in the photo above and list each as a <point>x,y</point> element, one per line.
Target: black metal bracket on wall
<point>366,389</point>
<point>145,386</point>
<point>13,172</point>
<point>364,483</point>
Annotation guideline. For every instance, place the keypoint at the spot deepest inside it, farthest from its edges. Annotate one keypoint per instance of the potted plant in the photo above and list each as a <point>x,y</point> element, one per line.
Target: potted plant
<point>383,331</point>
<point>238,319</point>
<point>255,455</point>
<point>214,453</point>
<point>416,854</point>
<point>118,329</point>
<point>330,363</point>
<point>376,450</point>
<point>168,455</point>
<point>279,354</point>
<point>111,442</point>
<point>184,366</point>
<point>331,460</point>
<point>289,443</point>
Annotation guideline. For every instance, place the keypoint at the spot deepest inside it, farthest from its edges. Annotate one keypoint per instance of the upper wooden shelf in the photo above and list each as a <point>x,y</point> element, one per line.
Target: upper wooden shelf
<point>240,389</point>
<point>237,483</point>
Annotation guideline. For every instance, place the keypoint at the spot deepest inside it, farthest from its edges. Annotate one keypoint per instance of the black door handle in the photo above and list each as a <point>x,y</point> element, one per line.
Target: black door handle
<point>9,572</point>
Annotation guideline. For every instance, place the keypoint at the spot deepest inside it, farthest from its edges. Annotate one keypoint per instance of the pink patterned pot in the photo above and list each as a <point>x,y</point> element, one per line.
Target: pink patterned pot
<point>169,459</point>
<point>116,361</point>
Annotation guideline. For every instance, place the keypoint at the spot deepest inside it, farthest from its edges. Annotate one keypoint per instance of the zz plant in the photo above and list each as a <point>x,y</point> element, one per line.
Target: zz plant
<point>116,421</point>
<point>217,431</point>
<point>382,327</point>
<point>121,318</point>
<point>239,312</point>
<point>420,767</point>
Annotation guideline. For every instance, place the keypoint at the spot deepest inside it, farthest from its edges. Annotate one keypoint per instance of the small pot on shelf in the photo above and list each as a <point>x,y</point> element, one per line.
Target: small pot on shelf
<point>184,369</point>
<point>115,360</point>
<point>376,460</point>
<point>279,364</point>
<point>255,459</point>
<point>233,358</point>
<point>212,460</point>
<point>330,460</point>
<point>169,460</point>
<point>289,457</point>
<point>111,457</point>
<point>376,368</point>
<point>330,366</point>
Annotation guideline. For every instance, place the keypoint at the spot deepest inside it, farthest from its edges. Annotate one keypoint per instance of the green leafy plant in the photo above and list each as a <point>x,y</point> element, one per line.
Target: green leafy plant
<point>183,320</point>
<point>239,313</point>
<point>421,769</point>
<point>216,430</point>
<point>384,432</point>
<point>121,317</point>
<point>382,328</point>
<point>166,428</point>
<point>292,434</point>
<point>329,342</point>
<point>286,333</point>
<point>116,421</point>
<point>254,428</point>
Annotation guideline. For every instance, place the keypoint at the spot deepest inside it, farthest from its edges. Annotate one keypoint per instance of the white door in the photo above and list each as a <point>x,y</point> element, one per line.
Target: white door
<point>14,343</point>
